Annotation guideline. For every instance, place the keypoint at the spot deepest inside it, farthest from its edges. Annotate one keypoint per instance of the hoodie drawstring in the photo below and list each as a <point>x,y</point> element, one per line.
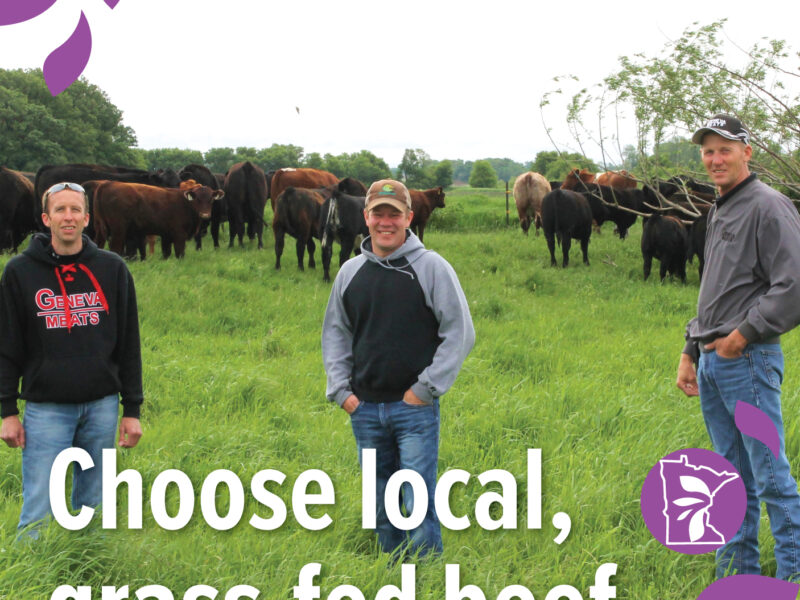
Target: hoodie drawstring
<point>96,285</point>
<point>68,270</point>
<point>390,267</point>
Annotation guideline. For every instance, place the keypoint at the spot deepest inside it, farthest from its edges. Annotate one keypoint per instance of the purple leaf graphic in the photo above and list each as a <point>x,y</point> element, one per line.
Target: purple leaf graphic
<point>66,63</point>
<point>17,11</point>
<point>754,422</point>
<point>747,587</point>
<point>112,3</point>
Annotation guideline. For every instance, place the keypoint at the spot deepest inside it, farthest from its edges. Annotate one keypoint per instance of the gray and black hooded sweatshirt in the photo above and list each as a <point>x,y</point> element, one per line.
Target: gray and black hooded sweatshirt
<point>395,323</point>
<point>69,328</point>
<point>751,280</point>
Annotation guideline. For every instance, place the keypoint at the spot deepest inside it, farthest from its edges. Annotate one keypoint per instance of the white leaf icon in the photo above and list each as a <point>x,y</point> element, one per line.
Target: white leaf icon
<point>684,514</point>
<point>694,484</point>
<point>687,501</point>
<point>696,526</point>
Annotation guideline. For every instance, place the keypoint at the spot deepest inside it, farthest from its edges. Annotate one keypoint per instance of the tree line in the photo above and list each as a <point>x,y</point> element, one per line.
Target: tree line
<point>667,96</point>
<point>82,125</point>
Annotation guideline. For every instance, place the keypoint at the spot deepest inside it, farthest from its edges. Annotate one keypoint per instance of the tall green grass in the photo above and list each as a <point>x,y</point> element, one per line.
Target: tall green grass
<point>579,362</point>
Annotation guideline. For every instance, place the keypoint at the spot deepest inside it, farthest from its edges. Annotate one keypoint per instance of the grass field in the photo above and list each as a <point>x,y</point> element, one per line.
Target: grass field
<point>578,362</point>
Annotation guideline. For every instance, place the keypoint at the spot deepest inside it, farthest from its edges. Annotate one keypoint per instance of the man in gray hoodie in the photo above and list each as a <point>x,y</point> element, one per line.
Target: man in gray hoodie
<point>397,329</point>
<point>749,296</point>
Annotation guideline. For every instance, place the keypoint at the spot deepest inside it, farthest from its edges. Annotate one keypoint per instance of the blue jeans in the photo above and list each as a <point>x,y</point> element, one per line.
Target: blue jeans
<point>51,428</point>
<point>755,378</point>
<point>404,437</point>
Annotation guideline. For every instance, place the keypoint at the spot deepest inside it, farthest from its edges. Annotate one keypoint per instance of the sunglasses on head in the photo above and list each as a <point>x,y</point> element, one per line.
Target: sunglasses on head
<point>64,185</point>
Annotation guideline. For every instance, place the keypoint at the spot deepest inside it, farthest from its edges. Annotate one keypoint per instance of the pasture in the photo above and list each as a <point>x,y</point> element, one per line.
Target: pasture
<point>578,362</point>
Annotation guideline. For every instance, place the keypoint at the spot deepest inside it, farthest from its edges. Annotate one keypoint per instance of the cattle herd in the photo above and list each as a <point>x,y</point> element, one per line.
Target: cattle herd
<point>673,214</point>
<point>128,207</point>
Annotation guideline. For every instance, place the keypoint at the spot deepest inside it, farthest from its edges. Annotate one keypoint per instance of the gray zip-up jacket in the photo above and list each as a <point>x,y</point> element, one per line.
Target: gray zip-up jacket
<point>751,280</point>
<point>395,323</point>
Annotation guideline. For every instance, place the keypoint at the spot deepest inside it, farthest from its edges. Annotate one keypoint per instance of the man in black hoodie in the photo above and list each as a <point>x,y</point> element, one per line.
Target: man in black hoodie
<point>69,328</point>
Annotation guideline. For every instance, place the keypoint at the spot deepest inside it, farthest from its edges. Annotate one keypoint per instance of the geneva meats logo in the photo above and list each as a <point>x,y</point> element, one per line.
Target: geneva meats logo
<point>84,309</point>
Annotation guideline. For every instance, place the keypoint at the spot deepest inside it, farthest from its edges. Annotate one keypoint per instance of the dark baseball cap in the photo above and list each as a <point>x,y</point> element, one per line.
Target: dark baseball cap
<point>727,126</point>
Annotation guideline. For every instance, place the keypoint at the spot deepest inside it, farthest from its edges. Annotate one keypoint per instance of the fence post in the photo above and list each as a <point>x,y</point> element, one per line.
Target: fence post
<point>506,202</point>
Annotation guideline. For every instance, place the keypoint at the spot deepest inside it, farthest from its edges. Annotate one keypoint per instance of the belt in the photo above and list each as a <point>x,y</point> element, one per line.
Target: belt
<point>701,344</point>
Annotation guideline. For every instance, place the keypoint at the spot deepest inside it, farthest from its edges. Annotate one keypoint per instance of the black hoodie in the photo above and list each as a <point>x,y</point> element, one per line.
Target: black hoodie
<point>69,327</point>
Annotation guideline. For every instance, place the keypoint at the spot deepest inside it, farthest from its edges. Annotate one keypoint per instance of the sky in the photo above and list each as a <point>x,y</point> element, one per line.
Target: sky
<point>456,79</point>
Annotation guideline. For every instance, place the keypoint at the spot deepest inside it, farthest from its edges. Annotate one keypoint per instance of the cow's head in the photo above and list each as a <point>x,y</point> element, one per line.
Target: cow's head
<point>201,198</point>
<point>438,197</point>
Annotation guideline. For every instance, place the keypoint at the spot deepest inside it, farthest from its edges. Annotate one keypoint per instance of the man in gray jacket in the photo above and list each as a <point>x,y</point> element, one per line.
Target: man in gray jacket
<point>397,329</point>
<point>749,296</point>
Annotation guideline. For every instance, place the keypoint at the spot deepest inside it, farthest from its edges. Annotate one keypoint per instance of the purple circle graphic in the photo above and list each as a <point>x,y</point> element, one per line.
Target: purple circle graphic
<point>693,501</point>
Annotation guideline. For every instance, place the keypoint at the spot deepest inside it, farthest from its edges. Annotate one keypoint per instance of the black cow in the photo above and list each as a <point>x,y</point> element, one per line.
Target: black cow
<point>682,183</point>
<point>204,176</point>
<point>664,237</point>
<point>246,191</point>
<point>615,202</point>
<point>16,209</point>
<point>352,187</point>
<point>49,175</point>
<point>697,243</point>
<point>567,215</point>
<point>341,219</point>
<point>297,212</point>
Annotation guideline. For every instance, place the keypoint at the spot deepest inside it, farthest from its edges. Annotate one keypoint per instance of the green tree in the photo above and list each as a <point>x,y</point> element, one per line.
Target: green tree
<point>461,170</point>
<point>366,167</point>
<point>505,168</point>
<point>415,168</point>
<point>279,156</point>
<point>219,160</point>
<point>483,175</point>
<point>245,153</point>
<point>171,158</point>
<point>363,165</point>
<point>443,174</point>
<point>79,125</point>
<point>541,164</point>
<point>314,161</point>
<point>28,133</point>
<point>679,156</point>
<point>336,164</point>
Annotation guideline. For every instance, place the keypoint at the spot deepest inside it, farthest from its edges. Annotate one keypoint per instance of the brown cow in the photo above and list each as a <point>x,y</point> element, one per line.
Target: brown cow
<point>574,176</point>
<point>299,178</point>
<point>203,175</point>
<point>174,214</point>
<point>529,189</point>
<point>297,213</point>
<point>422,203</point>
<point>621,180</point>
<point>47,175</point>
